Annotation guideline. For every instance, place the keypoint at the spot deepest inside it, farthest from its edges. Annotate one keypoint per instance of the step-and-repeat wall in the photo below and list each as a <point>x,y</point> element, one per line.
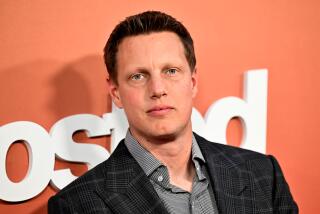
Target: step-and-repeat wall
<point>258,67</point>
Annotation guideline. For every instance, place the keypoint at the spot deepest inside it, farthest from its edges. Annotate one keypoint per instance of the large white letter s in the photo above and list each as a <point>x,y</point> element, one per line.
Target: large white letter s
<point>66,149</point>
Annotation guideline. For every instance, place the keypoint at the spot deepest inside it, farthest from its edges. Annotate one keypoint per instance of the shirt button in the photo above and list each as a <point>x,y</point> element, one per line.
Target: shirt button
<point>160,178</point>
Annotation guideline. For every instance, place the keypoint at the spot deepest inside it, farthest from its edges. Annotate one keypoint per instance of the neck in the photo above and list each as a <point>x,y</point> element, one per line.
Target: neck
<point>175,154</point>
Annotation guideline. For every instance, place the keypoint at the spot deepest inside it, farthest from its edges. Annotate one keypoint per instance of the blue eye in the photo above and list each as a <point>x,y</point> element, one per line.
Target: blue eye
<point>171,71</point>
<point>137,76</point>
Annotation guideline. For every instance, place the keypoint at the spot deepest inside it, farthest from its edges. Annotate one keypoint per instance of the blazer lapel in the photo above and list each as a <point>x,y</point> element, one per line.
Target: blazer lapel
<point>127,189</point>
<point>230,184</point>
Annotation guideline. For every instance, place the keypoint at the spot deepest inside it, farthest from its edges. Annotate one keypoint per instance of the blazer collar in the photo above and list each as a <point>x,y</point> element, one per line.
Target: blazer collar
<point>127,189</point>
<point>229,183</point>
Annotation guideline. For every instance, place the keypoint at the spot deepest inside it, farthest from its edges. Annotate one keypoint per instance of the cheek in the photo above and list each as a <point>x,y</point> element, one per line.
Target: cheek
<point>131,98</point>
<point>184,97</point>
<point>184,91</point>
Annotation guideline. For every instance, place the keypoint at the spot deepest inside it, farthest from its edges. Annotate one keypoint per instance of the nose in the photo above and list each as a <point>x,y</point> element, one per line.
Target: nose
<point>157,87</point>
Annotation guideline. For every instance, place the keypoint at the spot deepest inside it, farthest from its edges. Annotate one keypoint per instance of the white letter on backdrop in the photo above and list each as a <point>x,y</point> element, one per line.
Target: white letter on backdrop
<point>198,123</point>
<point>252,111</point>
<point>41,160</point>
<point>66,149</point>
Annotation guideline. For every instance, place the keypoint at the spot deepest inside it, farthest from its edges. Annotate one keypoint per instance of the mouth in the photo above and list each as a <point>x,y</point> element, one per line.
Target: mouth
<point>160,110</point>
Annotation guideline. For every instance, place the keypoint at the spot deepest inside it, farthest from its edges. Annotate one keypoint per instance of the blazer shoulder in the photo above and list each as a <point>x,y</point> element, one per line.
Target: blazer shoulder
<point>260,173</point>
<point>80,196</point>
<point>227,152</point>
<point>96,176</point>
<point>86,182</point>
<point>108,187</point>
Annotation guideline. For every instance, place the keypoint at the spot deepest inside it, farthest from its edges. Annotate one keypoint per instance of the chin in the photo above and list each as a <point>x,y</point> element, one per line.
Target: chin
<point>165,137</point>
<point>166,134</point>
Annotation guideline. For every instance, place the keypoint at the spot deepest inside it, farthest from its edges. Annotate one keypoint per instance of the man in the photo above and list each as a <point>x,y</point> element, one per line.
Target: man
<point>162,166</point>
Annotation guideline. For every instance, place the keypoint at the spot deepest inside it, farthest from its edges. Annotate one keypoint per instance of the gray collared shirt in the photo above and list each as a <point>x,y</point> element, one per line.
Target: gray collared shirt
<point>175,199</point>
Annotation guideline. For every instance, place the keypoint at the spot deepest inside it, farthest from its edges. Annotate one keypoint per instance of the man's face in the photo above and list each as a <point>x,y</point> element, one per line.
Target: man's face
<point>155,85</point>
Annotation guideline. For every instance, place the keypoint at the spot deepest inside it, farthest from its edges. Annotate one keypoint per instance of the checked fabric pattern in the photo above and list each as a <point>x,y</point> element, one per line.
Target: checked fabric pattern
<point>244,182</point>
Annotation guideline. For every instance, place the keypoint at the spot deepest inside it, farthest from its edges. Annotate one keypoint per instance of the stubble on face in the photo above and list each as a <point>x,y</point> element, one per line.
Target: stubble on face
<point>155,86</point>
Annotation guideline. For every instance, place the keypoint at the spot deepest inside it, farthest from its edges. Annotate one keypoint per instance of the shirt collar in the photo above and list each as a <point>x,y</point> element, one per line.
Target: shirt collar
<point>195,151</point>
<point>150,163</point>
<point>144,158</point>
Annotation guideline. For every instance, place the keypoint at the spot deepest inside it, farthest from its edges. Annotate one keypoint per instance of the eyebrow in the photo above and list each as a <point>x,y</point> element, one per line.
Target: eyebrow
<point>166,65</point>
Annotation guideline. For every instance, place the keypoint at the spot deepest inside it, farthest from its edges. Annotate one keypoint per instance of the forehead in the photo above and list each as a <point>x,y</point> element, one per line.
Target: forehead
<point>152,37</point>
<point>158,47</point>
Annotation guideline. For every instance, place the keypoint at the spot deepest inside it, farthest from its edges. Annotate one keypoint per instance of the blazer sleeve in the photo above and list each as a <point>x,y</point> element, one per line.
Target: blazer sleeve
<point>57,205</point>
<point>72,205</point>
<point>283,202</point>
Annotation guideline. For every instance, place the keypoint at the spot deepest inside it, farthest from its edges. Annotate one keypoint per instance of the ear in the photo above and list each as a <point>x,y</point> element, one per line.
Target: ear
<point>114,92</point>
<point>194,80</point>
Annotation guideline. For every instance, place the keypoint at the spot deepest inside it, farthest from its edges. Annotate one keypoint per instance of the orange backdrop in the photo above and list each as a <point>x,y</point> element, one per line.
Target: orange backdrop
<point>51,67</point>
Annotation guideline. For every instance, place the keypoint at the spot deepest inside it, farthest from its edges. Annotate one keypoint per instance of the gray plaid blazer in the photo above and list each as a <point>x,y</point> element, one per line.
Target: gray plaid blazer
<point>243,182</point>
